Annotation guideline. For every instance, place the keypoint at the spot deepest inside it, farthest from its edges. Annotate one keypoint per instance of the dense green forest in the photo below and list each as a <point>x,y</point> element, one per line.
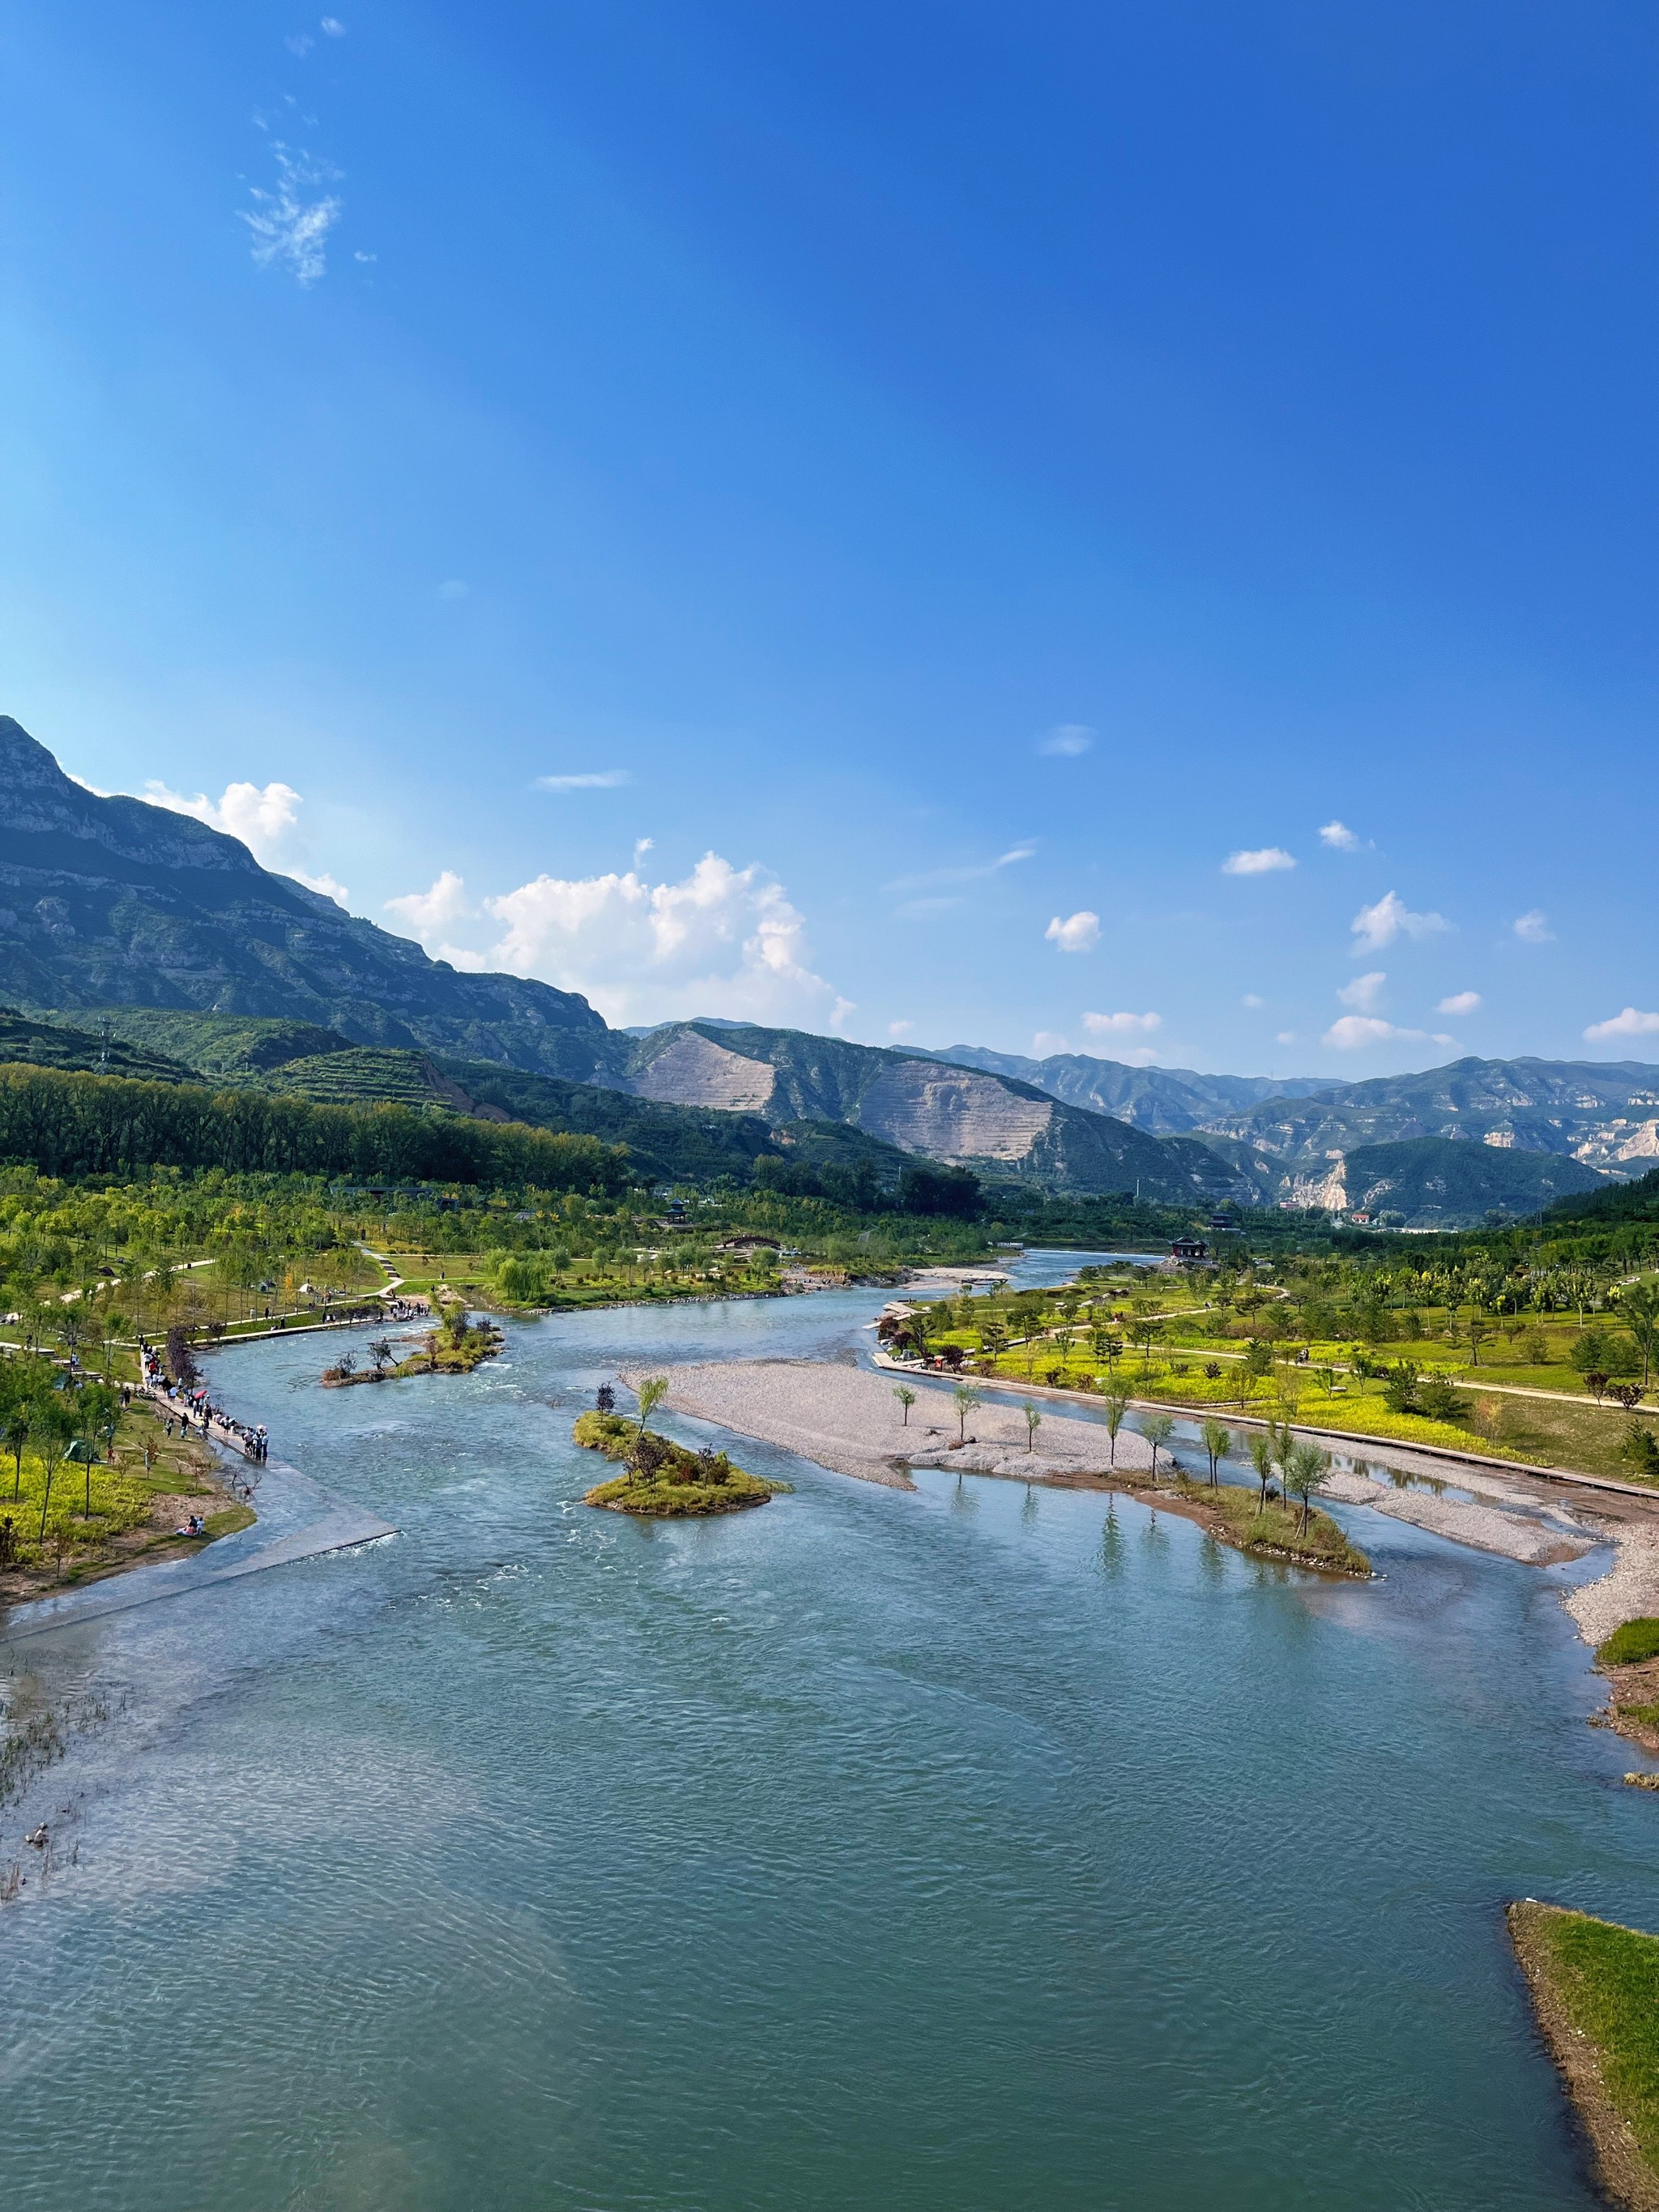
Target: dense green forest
<point>92,1125</point>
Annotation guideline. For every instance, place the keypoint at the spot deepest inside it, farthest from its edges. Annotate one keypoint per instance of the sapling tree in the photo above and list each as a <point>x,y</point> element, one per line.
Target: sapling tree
<point>654,1389</point>
<point>907,1398</point>
<point>966,1398</point>
<point>1263,1459</point>
<point>1157,1429</point>
<point>1304,1468</point>
<point>1033,1423</point>
<point>1116,1404</point>
<point>1218,1440</point>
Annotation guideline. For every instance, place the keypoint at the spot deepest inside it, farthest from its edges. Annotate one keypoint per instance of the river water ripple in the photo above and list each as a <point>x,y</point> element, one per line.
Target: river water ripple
<point>946,1852</point>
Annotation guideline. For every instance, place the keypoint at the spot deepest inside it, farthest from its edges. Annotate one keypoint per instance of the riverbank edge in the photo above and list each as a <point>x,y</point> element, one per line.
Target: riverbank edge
<point>1447,1452</point>
<point>1623,2172</point>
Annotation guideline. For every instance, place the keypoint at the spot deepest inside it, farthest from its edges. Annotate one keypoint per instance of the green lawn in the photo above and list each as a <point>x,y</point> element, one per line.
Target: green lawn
<point>1601,1982</point>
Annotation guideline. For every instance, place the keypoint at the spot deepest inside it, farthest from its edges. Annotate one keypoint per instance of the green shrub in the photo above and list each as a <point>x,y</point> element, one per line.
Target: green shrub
<point>1628,1646</point>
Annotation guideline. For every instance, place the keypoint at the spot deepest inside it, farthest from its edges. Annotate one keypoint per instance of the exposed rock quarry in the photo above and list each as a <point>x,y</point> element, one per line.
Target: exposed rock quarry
<point>693,1070</point>
<point>952,1113</point>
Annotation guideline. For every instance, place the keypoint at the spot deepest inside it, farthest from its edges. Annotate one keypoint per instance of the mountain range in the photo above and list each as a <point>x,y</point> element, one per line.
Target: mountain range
<point>137,939</point>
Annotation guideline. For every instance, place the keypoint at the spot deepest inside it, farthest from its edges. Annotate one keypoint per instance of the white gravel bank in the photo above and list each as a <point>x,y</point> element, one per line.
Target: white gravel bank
<point>847,1418</point>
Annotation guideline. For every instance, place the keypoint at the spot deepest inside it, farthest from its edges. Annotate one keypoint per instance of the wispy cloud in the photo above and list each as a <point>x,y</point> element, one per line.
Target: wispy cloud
<point>1067,740</point>
<point>290,227</point>
<point>1263,860</point>
<point>1252,1000</point>
<point>1374,927</point>
<point>1533,928</point>
<point>1122,1025</point>
<point>452,587</point>
<point>1630,1024</point>
<point>1353,1031</point>
<point>899,1030</point>
<point>1363,994</point>
<point>333,27</point>
<point>1339,837</point>
<point>973,874</point>
<point>603,778</point>
<point>1461,1002</point>
<point>1079,932</point>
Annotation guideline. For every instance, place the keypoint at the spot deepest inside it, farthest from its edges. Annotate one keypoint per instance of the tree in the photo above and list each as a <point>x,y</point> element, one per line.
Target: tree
<point>1638,1309</point>
<point>1217,1442</point>
<point>1157,1429</point>
<point>1033,1423</point>
<point>381,1352</point>
<point>1257,1364</point>
<point>1304,1469</point>
<point>1627,1394</point>
<point>653,1388</point>
<point>1477,1328</point>
<point>52,1429</point>
<point>1116,1404</point>
<point>1146,1332</point>
<point>966,1398</point>
<point>1263,1458</point>
<point>907,1398</point>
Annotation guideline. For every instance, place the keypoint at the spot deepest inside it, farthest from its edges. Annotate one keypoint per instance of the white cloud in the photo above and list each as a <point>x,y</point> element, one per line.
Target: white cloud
<point>1046,1042</point>
<point>1286,1036</point>
<point>1339,837</point>
<point>1263,862</point>
<point>1534,927</point>
<point>333,28</point>
<point>1374,927</point>
<point>721,940</point>
<point>1250,1000</point>
<point>1067,740</point>
<point>1079,933</point>
<point>1354,1030</point>
<point>1630,1024</point>
<point>300,42</point>
<point>452,587</point>
<point>290,230</point>
<point>1122,1025</point>
<point>603,778</point>
<point>266,819</point>
<point>426,914</point>
<point>1461,1002</point>
<point>1363,994</point>
<point>899,1030</point>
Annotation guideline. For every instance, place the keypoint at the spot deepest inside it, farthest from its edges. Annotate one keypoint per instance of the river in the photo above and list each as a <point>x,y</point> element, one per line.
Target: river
<point>948,1852</point>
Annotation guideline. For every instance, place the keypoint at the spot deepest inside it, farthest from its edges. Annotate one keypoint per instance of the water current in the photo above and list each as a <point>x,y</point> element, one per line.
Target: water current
<point>952,1851</point>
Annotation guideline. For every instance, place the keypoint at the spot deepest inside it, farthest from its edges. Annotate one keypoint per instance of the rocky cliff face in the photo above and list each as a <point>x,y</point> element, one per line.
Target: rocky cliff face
<point>112,902</point>
<point>692,1070</point>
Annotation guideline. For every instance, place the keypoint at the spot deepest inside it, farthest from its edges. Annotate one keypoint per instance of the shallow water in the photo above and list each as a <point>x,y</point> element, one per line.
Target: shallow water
<point>969,1849</point>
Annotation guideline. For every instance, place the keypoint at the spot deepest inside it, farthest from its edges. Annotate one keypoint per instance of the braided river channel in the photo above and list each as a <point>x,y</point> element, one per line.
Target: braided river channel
<point>955,1851</point>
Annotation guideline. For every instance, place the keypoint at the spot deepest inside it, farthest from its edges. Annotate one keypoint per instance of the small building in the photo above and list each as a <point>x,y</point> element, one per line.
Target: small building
<point>1189,1251</point>
<point>749,1244</point>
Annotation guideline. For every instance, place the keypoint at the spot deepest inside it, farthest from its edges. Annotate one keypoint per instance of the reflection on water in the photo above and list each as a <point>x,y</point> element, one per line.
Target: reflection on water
<point>969,1848</point>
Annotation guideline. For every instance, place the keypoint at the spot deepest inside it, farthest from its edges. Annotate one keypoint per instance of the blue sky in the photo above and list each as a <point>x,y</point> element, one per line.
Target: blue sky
<point>856,517</point>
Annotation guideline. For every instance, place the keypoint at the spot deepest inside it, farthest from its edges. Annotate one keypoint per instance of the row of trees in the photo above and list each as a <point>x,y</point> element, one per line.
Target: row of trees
<point>81,1125</point>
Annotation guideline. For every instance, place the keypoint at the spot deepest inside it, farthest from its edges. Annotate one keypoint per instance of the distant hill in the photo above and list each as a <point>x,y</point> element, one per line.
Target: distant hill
<point>1441,1182</point>
<point>1602,1113</point>
<point>46,1044</point>
<point>1001,1128</point>
<point>1627,1201</point>
<point>1167,1101</point>
<point>114,901</point>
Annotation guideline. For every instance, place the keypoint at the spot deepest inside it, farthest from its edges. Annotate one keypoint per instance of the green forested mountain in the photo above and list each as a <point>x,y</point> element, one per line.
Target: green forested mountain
<point>114,901</point>
<point>1434,1182</point>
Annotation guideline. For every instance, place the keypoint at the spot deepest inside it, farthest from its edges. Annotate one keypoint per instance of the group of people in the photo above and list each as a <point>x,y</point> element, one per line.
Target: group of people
<point>191,1403</point>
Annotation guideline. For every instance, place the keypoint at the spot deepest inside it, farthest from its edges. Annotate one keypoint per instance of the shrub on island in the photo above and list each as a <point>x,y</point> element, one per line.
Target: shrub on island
<point>663,1478</point>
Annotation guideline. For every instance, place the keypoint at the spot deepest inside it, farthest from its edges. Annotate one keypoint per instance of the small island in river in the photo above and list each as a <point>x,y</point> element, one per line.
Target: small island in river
<point>664,1480</point>
<point>460,1345</point>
